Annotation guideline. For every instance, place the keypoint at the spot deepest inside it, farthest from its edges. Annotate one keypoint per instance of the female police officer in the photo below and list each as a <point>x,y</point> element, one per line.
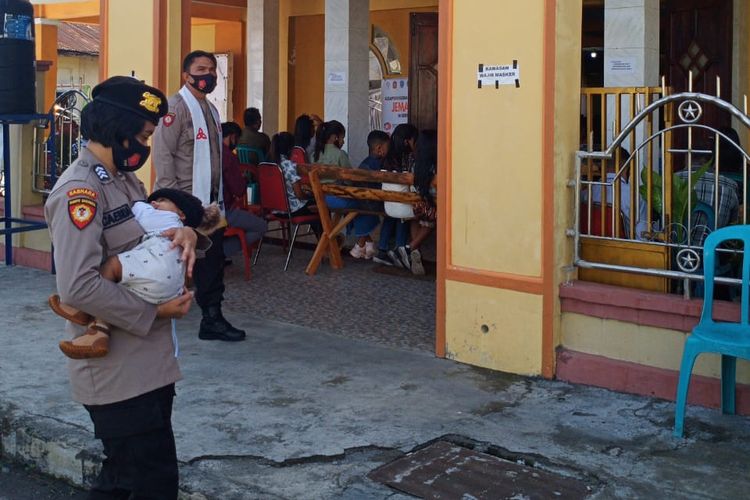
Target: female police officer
<point>129,392</point>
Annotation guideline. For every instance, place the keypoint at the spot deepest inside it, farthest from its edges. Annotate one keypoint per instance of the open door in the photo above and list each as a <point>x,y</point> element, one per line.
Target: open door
<point>423,70</point>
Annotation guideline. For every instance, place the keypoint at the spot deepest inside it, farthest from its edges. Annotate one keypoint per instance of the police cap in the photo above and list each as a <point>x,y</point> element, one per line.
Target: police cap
<point>132,95</point>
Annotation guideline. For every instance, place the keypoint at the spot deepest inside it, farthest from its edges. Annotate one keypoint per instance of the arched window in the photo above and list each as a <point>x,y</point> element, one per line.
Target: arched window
<point>384,61</point>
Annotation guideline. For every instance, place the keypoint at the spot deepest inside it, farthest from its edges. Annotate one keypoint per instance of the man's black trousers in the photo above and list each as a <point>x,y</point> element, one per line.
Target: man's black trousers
<point>208,273</point>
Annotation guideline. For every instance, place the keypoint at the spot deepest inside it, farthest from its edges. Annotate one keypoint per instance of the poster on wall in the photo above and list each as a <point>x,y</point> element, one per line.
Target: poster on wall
<point>221,97</point>
<point>395,103</point>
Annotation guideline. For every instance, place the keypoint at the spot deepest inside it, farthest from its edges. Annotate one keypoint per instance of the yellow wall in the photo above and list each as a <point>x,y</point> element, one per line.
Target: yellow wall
<point>493,328</point>
<point>173,53</point>
<point>203,37</point>
<point>567,111</point>
<point>497,162</point>
<point>127,52</point>
<point>644,345</point>
<point>230,39</point>
<point>46,50</point>
<point>305,77</point>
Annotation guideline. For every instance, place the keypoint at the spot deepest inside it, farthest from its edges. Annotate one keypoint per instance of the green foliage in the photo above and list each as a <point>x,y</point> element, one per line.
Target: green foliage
<point>681,199</point>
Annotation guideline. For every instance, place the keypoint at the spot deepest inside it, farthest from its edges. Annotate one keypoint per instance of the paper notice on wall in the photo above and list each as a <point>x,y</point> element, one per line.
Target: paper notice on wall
<point>622,66</point>
<point>495,75</point>
<point>395,102</point>
<point>336,78</point>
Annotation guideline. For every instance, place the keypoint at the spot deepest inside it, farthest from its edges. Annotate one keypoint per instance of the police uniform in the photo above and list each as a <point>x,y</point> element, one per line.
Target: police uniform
<point>128,392</point>
<point>173,149</point>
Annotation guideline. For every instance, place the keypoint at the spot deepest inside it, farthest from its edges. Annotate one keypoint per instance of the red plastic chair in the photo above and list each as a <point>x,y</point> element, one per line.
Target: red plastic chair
<point>596,220</point>
<point>231,232</point>
<point>275,205</point>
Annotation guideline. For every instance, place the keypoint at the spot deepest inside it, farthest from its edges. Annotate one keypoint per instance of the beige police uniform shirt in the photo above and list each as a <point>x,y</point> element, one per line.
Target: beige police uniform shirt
<point>90,218</point>
<point>173,143</point>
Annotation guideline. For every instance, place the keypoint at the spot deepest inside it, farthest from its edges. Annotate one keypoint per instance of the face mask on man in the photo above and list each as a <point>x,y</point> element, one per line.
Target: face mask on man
<point>132,157</point>
<point>204,83</point>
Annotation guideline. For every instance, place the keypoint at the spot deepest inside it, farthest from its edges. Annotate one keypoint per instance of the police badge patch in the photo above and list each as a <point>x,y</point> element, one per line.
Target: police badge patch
<point>81,206</point>
<point>168,119</point>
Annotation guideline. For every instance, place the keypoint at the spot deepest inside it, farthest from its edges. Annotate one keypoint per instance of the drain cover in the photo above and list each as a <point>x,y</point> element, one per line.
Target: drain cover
<point>444,470</point>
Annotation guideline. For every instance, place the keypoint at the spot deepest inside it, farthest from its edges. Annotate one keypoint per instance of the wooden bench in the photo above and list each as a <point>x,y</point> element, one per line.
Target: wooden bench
<point>334,223</point>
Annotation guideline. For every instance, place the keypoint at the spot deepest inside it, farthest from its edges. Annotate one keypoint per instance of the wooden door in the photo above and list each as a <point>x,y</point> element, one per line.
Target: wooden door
<point>699,38</point>
<point>423,73</point>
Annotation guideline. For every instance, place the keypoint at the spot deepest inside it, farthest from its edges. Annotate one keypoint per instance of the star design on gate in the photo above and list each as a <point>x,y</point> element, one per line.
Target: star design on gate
<point>688,260</point>
<point>690,111</point>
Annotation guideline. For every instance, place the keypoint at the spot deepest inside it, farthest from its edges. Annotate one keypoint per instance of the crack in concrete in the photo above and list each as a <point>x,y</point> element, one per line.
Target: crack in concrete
<point>291,462</point>
<point>61,421</point>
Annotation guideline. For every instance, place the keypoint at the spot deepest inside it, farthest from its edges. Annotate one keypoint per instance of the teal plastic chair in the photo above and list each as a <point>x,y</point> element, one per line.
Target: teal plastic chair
<point>730,340</point>
<point>252,156</point>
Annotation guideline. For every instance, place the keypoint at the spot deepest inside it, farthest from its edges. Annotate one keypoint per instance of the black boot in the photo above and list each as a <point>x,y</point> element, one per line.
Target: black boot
<point>215,327</point>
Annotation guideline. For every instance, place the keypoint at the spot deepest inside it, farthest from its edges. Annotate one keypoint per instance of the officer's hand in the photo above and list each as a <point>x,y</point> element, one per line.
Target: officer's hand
<point>186,238</point>
<point>175,308</point>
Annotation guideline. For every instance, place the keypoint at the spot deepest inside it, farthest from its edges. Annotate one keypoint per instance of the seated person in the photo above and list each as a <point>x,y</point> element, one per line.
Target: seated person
<point>329,139</point>
<point>378,144</point>
<point>425,211</point>
<point>153,270</point>
<point>251,135</point>
<point>281,147</point>
<point>235,189</point>
<point>642,217</point>
<point>729,203</point>
<point>304,140</point>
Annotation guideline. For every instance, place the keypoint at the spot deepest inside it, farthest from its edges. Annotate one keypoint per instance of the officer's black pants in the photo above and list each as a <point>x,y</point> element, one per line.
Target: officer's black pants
<point>208,273</point>
<point>140,458</point>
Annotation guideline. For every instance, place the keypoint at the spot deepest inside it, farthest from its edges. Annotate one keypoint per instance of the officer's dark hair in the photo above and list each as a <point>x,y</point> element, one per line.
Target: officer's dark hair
<point>251,116</point>
<point>190,58</point>
<point>376,137</point>
<point>109,125</point>
<point>229,128</point>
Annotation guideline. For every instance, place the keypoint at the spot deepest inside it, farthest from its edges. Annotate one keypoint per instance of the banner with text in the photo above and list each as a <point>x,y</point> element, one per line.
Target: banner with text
<point>395,103</point>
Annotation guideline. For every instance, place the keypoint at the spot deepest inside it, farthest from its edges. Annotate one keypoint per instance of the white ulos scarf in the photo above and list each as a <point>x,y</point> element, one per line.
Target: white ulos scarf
<point>202,149</point>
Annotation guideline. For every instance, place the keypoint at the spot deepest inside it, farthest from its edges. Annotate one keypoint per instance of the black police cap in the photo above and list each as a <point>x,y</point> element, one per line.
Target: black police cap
<point>132,95</point>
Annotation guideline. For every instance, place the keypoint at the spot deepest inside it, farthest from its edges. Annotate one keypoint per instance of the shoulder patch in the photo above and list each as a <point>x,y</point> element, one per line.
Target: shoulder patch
<point>117,216</point>
<point>102,173</point>
<point>82,206</point>
<point>82,193</point>
<point>168,119</point>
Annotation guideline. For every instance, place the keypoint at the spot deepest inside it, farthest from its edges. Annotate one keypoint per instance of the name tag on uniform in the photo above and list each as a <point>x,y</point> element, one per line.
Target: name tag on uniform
<point>117,216</point>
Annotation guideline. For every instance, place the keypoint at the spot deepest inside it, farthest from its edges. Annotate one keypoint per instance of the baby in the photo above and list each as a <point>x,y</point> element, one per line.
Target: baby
<point>153,270</point>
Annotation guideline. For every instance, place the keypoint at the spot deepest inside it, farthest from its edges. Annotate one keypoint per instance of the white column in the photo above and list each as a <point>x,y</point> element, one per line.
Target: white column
<point>631,52</point>
<point>347,28</point>
<point>263,61</point>
<point>631,36</point>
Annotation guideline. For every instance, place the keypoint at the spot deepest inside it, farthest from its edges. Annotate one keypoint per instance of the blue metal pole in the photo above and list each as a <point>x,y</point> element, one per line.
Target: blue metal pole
<point>6,185</point>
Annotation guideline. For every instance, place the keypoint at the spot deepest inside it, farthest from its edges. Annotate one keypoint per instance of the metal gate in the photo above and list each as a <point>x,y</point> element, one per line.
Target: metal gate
<point>670,199</point>
<point>56,149</point>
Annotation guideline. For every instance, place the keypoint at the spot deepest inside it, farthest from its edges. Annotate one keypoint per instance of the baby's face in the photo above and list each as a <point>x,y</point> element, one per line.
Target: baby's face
<point>168,205</point>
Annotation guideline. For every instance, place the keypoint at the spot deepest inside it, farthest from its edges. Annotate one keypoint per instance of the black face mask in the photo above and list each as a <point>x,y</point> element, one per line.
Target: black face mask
<point>232,146</point>
<point>204,83</point>
<point>131,158</point>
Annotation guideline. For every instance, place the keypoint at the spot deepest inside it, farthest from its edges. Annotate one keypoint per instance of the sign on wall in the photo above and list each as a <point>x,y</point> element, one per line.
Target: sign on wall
<point>395,102</point>
<point>221,97</point>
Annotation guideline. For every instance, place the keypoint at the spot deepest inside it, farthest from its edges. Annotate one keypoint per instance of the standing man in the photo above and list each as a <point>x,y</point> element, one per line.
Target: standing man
<point>187,156</point>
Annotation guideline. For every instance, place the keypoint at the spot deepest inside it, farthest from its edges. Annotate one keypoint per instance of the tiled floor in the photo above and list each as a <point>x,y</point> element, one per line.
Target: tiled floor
<point>359,301</point>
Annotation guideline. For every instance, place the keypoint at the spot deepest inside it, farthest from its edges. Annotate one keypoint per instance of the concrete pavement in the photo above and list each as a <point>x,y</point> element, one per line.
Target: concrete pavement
<point>297,413</point>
